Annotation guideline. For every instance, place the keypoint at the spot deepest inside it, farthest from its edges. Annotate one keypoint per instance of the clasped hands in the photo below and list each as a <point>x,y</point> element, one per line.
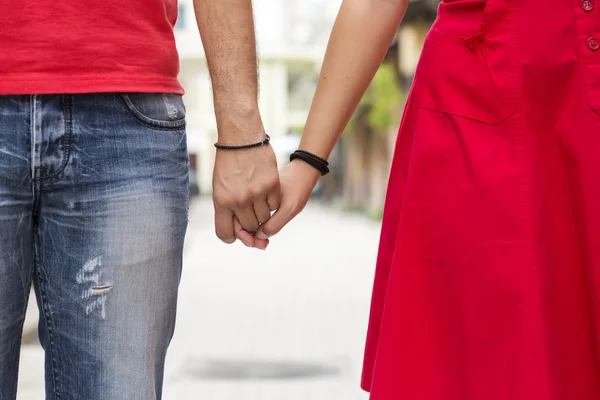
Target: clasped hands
<point>253,201</point>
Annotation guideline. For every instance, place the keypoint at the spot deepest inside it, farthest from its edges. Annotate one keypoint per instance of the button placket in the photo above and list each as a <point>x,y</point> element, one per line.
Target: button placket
<point>587,25</point>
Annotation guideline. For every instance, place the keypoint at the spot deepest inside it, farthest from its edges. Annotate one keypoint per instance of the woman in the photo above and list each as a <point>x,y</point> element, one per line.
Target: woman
<point>488,276</point>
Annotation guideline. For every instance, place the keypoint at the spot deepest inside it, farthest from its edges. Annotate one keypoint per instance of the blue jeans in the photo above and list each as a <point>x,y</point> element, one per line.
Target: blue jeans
<point>93,212</point>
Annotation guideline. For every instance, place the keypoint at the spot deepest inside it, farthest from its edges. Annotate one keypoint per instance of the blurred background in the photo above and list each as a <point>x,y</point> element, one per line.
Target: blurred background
<point>288,323</point>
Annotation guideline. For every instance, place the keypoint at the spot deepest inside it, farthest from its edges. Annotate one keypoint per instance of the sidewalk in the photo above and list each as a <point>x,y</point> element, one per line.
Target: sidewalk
<point>284,324</point>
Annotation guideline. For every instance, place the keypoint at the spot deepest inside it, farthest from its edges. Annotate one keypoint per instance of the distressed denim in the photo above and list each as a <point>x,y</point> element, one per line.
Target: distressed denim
<point>93,213</point>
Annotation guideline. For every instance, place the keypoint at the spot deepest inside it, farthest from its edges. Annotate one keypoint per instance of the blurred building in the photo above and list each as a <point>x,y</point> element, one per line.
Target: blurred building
<point>291,36</point>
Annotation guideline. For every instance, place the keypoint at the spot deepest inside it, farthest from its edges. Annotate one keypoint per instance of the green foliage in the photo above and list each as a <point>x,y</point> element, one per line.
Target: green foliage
<point>354,209</point>
<point>387,99</point>
<point>381,100</point>
<point>296,129</point>
<point>376,214</point>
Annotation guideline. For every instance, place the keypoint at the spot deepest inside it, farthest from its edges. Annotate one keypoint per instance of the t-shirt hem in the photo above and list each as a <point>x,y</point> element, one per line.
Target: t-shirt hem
<point>88,84</point>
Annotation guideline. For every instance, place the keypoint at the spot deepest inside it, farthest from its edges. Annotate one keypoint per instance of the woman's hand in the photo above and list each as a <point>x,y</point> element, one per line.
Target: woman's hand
<point>297,181</point>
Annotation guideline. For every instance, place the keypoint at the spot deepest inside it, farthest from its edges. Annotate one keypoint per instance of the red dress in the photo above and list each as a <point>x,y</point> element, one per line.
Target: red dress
<point>488,277</point>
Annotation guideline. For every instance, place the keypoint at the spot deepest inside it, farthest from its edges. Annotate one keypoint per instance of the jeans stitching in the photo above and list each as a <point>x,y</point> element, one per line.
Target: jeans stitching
<point>66,147</point>
<point>47,317</point>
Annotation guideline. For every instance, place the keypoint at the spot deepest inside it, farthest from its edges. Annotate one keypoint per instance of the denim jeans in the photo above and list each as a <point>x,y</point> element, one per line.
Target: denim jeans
<point>93,213</point>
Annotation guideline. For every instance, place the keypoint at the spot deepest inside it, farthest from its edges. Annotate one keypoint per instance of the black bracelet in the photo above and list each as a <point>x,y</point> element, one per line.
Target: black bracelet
<point>245,146</point>
<point>316,162</point>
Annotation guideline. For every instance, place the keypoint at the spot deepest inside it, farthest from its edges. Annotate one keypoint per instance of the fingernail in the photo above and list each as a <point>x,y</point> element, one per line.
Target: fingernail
<point>261,235</point>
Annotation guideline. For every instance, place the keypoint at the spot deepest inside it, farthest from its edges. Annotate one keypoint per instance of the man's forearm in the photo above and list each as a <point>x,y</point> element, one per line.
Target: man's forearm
<point>227,31</point>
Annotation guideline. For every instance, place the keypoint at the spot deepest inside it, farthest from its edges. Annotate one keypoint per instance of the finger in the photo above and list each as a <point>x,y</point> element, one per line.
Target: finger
<point>274,199</point>
<point>241,234</point>
<point>224,224</point>
<point>247,218</point>
<point>277,221</point>
<point>262,210</point>
<point>247,238</point>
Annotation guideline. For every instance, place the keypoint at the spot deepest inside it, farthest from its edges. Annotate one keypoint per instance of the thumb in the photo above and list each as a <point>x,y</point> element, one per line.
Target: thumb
<point>278,220</point>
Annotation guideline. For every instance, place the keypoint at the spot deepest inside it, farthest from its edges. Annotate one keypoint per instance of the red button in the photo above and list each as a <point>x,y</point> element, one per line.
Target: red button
<point>593,44</point>
<point>587,5</point>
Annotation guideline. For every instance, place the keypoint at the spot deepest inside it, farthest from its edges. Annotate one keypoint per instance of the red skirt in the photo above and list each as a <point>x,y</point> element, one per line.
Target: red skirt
<point>487,284</point>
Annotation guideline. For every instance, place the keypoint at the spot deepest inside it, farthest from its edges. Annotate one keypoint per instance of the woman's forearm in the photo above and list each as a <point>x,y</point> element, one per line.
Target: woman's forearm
<point>361,36</point>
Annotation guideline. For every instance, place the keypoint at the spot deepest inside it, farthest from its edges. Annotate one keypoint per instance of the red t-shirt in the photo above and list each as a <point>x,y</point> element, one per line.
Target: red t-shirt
<point>86,46</point>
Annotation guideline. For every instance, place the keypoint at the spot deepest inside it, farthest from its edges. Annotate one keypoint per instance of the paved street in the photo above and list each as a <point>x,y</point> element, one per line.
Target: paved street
<point>284,324</point>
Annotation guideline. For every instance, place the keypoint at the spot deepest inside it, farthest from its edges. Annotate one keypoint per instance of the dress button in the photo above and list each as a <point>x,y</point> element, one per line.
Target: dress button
<point>587,5</point>
<point>593,44</point>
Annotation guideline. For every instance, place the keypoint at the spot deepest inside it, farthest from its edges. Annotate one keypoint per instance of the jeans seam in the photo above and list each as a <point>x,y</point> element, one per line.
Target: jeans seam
<point>47,317</point>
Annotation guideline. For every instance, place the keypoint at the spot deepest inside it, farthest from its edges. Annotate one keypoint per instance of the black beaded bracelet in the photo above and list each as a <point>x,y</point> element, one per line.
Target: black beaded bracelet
<point>314,161</point>
<point>245,146</point>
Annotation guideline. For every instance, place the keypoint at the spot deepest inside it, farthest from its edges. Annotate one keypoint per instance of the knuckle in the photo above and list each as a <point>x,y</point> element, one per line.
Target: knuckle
<point>266,186</point>
<point>242,199</point>
<point>254,193</point>
<point>223,201</point>
<point>273,182</point>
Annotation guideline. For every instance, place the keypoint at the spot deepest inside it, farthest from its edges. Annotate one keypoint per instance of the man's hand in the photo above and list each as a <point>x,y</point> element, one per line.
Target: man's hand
<point>245,191</point>
<point>245,182</point>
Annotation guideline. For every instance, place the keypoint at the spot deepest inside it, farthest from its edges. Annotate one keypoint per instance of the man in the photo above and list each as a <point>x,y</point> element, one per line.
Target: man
<point>94,185</point>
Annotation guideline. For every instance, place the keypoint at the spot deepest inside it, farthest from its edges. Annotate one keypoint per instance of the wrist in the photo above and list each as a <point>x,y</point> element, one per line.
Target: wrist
<point>263,142</point>
<point>234,104</point>
<point>306,171</point>
<point>239,124</point>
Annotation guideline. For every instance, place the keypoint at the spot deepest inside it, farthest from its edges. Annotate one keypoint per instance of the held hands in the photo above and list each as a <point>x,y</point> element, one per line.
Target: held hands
<point>297,181</point>
<point>247,188</point>
<point>245,191</point>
